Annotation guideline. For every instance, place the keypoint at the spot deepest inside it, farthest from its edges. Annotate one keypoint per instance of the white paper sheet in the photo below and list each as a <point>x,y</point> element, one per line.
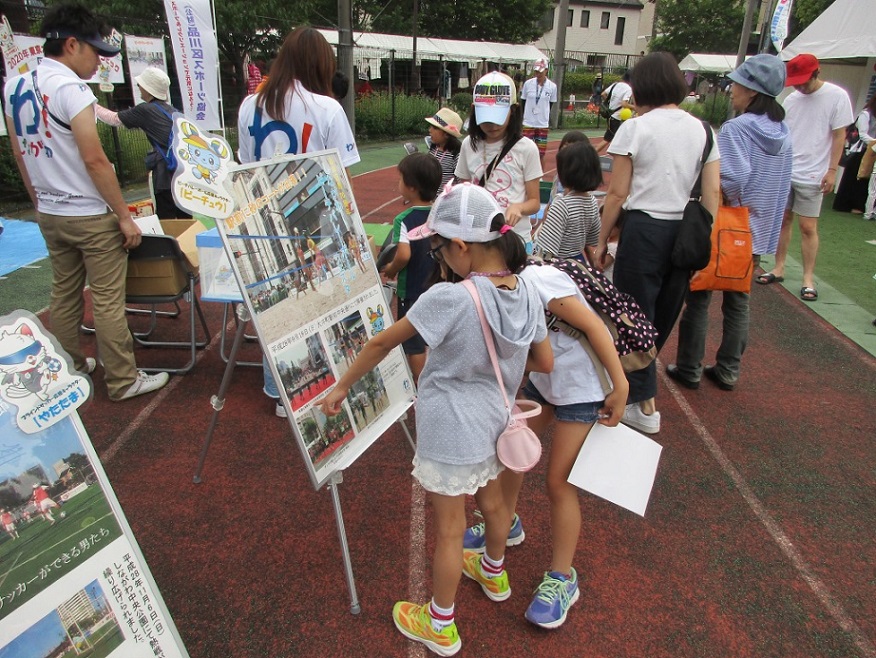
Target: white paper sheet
<point>619,465</point>
<point>149,225</point>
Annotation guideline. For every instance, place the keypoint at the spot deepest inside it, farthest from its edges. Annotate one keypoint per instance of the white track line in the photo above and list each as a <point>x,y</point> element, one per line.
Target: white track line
<point>378,208</point>
<point>417,556</point>
<point>822,593</point>
<point>107,455</point>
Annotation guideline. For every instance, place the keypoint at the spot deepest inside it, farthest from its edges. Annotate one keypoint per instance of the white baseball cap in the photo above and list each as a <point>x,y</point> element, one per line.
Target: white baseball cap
<point>463,211</point>
<point>494,94</point>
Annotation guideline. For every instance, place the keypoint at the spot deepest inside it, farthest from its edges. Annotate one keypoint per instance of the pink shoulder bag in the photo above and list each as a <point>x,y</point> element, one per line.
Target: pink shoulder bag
<point>518,448</point>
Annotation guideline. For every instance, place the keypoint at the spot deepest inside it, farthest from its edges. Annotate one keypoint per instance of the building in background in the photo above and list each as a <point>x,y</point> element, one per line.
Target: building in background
<point>607,34</point>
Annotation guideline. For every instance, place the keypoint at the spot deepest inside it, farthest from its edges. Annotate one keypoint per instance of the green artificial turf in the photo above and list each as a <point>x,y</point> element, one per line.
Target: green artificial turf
<point>845,259</point>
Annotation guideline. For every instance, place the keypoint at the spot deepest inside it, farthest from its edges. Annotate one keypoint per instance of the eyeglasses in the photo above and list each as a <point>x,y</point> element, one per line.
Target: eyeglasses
<point>435,254</point>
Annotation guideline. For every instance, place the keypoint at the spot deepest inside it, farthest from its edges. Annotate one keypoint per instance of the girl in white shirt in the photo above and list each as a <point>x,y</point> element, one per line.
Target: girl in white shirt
<point>573,399</point>
<point>496,125</point>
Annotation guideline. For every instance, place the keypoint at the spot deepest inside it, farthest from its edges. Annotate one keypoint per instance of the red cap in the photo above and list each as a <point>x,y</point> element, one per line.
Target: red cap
<point>800,69</point>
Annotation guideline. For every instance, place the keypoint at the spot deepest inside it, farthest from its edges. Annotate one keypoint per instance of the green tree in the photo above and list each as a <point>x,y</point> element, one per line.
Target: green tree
<point>698,26</point>
<point>511,21</point>
<point>243,27</point>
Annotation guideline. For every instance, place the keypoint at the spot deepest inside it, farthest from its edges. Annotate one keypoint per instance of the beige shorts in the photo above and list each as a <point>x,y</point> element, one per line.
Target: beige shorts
<point>805,199</point>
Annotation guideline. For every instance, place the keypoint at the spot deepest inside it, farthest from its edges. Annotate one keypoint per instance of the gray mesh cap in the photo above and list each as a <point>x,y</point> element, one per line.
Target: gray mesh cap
<point>463,211</point>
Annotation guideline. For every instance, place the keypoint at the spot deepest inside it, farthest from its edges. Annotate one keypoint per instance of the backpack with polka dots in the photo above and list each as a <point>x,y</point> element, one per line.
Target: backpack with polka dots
<point>633,334</point>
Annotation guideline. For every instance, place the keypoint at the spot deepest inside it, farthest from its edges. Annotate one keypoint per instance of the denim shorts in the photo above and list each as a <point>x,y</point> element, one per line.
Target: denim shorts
<point>578,412</point>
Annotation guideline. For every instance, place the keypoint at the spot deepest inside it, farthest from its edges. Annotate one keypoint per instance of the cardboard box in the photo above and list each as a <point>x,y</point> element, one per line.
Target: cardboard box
<point>141,208</point>
<point>165,277</point>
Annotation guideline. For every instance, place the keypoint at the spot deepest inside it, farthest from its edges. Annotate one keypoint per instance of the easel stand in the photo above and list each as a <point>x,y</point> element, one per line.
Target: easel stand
<point>218,402</point>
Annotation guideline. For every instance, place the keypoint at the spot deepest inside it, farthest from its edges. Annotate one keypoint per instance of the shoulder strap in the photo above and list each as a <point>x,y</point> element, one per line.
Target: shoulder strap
<point>164,150</point>
<point>495,161</point>
<point>39,95</point>
<point>488,337</point>
<point>696,191</point>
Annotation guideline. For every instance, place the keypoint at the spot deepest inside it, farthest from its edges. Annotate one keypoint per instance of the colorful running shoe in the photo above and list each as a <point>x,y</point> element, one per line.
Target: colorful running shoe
<point>552,601</point>
<point>496,588</point>
<point>415,623</point>
<point>476,540</point>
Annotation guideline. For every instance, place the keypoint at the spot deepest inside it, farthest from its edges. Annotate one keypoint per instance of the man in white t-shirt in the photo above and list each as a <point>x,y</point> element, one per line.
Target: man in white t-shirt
<point>817,114</point>
<point>620,96</point>
<point>538,96</point>
<point>81,212</point>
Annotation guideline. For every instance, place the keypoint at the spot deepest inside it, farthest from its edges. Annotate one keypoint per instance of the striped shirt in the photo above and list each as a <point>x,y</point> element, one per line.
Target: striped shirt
<point>447,160</point>
<point>571,224</point>
<point>756,172</point>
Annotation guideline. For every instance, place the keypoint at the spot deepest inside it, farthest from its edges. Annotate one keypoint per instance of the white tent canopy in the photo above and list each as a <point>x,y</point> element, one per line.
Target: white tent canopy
<point>708,63</point>
<point>843,30</point>
<point>376,45</point>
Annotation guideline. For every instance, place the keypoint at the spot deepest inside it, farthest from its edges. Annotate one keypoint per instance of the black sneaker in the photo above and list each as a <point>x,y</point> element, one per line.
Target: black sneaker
<point>709,372</point>
<point>674,374</point>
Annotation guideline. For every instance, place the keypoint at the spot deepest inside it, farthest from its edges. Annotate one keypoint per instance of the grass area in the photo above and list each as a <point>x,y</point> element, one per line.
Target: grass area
<point>43,553</point>
<point>845,259</point>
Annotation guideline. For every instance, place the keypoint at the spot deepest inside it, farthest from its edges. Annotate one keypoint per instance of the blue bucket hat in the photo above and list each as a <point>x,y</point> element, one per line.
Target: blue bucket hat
<point>764,74</point>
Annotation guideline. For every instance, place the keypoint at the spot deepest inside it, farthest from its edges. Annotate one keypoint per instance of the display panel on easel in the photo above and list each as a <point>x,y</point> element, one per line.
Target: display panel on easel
<point>301,255</point>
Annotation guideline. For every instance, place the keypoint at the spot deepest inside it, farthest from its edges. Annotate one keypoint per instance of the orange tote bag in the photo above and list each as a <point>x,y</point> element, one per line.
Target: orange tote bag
<point>730,266</point>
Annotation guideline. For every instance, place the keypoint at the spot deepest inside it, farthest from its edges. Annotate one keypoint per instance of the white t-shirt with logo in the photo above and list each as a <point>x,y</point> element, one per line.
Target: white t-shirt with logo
<point>538,99</point>
<point>811,119</point>
<point>312,123</point>
<point>53,162</point>
<point>573,379</point>
<point>507,183</point>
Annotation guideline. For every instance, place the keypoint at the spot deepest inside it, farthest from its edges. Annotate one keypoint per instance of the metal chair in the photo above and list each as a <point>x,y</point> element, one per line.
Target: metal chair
<point>177,283</point>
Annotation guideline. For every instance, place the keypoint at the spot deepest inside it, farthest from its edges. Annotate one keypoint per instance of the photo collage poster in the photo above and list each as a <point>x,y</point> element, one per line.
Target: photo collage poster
<point>300,253</point>
<point>73,580</point>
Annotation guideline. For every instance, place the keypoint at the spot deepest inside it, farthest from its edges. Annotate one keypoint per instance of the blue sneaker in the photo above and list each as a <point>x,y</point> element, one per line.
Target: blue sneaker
<point>475,540</point>
<point>552,600</point>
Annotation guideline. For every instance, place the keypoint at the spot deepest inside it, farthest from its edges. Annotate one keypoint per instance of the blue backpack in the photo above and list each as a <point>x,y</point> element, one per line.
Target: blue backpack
<point>167,152</point>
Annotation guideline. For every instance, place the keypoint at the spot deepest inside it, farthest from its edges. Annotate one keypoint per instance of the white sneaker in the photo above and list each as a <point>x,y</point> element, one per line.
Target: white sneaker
<point>90,365</point>
<point>280,411</point>
<point>637,419</point>
<point>145,384</point>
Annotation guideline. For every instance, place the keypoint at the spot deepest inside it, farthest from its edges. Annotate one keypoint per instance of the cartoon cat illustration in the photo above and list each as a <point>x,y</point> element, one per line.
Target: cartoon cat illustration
<point>25,365</point>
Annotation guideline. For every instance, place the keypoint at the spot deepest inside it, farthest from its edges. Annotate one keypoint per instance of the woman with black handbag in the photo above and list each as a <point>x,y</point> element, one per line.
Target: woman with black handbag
<point>657,159</point>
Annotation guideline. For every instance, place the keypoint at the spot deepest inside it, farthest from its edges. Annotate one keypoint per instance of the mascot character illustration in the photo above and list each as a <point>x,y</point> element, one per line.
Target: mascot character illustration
<point>26,368</point>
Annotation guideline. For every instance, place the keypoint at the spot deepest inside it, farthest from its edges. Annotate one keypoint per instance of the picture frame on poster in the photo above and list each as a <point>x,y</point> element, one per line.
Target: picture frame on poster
<point>74,578</point>
<point>300,254</point>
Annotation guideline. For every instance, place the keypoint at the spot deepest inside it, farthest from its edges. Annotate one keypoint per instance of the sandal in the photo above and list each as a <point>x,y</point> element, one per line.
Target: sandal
<point>808,294</point>
<point>768,278</point>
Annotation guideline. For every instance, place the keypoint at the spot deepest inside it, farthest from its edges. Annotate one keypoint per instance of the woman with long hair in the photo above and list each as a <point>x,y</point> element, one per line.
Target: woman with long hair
<point>294,112</point>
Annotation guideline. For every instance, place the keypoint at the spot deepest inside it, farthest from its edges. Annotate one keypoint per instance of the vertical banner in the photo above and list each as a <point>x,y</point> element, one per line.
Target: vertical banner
<point>73,581</point>
<point>301,256</point>
<point>143,52</point>
<point>197,60</point>
<point>779,24</point>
